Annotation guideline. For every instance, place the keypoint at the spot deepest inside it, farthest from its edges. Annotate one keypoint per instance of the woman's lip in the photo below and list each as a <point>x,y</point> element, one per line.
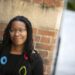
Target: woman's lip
<point>17,38</point>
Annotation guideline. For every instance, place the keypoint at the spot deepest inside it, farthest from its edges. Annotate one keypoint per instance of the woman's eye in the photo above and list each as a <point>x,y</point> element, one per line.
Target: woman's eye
<point>21,30</point>
<point>11,30</point>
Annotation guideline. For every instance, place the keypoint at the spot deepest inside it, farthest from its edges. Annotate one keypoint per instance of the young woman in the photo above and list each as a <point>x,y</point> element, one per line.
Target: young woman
<point>18,56</point>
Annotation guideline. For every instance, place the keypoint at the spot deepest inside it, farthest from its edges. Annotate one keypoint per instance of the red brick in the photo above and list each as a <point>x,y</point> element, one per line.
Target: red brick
<point>48,68</point>
<point>53,40</point>
<point>43,53</point>
<point>2,26</point>
<point>1,34</point>
<point>52,33</point>
<point>34,30</point>
<point>43,46</point>
<point>46,61</point>
<point>45,39</point>
<point>36,38</point>
<point>46,33</point>
<point>58,3</point>
<point>48,2</point>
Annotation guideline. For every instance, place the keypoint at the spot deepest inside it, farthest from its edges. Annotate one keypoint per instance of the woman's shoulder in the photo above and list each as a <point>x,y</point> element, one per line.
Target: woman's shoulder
<point>37,65</point>
<point>0,47</point>
<point>36,56</point>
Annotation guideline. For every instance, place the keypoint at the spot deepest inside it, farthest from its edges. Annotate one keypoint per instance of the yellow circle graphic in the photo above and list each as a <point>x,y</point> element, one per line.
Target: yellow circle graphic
<point>23,68</point>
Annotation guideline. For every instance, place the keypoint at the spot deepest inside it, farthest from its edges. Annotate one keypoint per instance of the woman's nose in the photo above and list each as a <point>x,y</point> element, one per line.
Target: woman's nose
<point>16,33</point>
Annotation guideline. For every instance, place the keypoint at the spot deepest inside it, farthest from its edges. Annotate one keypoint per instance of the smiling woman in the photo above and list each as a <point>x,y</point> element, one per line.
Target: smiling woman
<point>18,56</point>
<point>18,34</point>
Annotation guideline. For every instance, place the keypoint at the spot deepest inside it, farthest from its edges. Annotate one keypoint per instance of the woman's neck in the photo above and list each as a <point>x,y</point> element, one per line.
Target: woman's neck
<point>16,50</point>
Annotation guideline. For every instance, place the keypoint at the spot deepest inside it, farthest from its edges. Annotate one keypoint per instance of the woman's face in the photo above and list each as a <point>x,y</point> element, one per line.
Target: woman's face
<point>18,33</point>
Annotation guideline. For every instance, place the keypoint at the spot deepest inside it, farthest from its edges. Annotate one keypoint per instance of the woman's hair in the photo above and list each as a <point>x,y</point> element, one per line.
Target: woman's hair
<point>28,47</point>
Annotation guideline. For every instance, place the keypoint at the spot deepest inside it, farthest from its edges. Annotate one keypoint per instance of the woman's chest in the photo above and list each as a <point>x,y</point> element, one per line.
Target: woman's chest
<point>14,65</point>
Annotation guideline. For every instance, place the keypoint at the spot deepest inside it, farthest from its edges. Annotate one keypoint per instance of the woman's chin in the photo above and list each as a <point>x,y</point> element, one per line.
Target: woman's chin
<point>18,44</point>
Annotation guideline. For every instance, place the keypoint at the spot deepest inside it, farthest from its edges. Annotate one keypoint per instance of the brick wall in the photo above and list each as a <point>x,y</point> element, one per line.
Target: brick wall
<point>43,21</point>
<point>44,40</point>
<point>2,27</point>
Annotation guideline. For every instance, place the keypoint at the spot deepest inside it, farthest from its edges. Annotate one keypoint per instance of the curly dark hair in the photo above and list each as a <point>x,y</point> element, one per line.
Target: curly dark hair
<point>6,43</point>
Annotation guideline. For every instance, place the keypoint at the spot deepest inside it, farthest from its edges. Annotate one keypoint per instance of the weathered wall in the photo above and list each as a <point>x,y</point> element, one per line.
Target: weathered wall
<point>45,16</point>
<point>39,16</point>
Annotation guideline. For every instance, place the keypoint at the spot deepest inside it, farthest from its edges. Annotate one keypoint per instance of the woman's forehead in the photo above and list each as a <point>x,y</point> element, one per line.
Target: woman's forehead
<point>18,24</point>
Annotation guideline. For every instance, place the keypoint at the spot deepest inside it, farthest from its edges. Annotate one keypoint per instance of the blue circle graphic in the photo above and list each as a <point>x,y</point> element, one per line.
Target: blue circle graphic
<point>3,60</point>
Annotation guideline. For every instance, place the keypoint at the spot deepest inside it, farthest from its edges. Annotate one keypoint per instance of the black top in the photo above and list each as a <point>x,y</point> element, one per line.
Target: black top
<point>11,64</point>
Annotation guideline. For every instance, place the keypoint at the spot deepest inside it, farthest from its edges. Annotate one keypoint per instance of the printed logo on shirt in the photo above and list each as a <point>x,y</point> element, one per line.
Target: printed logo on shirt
<point>22,70</point>
<point>3,60</point>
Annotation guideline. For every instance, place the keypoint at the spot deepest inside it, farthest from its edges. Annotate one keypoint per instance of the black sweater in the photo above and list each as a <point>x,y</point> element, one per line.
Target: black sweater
<point>11,64</point>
